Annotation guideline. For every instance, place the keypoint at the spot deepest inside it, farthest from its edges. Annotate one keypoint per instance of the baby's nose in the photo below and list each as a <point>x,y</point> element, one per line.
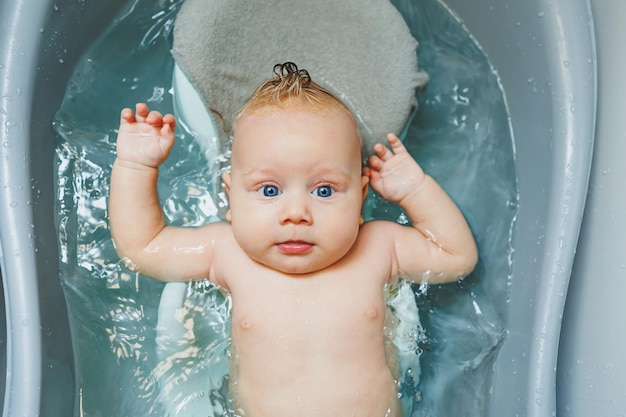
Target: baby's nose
<point>296,211</point>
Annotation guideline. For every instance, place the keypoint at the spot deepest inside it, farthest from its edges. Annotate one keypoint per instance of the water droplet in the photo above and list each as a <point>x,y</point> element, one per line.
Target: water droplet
<point>541,14</point>
<point>403,219</point>
<point>8,125</point>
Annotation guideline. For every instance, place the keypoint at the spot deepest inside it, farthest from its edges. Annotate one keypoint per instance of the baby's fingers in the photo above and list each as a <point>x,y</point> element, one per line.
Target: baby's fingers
<point>382,153</point>
<point>127,116</point>
<point>141,112</point>
<point>155,119</point>
<point>375,162</point>
<point>167,133</point>
<point>396,144</point>
<point>385,153</point>
<point>170,120</point>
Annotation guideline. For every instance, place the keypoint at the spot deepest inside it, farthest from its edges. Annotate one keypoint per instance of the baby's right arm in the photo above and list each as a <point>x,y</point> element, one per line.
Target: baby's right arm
<point>141,236</point>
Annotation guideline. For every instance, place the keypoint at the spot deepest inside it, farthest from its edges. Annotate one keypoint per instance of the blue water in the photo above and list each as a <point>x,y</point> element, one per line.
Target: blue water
<point>131,363</point>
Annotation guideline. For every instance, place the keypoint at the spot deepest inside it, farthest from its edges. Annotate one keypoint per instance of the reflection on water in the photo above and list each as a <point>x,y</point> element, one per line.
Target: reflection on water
<point>137,357</point>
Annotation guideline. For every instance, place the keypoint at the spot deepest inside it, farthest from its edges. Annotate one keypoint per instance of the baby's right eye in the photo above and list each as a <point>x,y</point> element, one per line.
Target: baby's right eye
<point>269,191</point>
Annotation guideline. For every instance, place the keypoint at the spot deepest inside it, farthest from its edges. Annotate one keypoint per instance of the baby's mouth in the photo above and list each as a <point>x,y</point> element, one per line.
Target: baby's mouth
<point>294,247</point>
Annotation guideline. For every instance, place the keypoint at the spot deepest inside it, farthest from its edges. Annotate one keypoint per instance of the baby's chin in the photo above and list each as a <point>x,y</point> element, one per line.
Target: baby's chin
<point>297,265</point>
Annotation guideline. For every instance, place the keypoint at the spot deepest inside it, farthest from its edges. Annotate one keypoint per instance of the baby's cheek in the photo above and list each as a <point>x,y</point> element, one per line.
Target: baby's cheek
<point>249,236</point>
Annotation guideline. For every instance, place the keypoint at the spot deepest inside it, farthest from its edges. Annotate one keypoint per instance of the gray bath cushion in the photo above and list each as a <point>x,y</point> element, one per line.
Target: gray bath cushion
<point>361,50</point>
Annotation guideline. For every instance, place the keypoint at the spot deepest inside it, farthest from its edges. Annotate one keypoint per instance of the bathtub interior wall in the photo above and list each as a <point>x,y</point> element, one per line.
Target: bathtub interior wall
<point>40,41</point>
<point>543,51</point>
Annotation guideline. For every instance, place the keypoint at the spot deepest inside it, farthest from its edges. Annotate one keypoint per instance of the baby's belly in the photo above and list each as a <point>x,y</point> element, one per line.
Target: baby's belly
<point>311,350</point>
<point>314,388</point>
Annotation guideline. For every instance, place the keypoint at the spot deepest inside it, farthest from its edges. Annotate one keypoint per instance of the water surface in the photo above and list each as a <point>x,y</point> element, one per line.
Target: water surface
<point>130,364</point>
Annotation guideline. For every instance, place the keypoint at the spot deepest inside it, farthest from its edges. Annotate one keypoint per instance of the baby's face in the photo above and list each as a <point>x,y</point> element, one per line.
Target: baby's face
<point>296,187</point>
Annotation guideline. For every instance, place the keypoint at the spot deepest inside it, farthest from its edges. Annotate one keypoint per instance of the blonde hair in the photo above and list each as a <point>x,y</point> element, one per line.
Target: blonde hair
<point>291,85</point>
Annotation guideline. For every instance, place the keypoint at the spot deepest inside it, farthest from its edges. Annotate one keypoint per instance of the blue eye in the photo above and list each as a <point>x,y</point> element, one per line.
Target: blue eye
<point>269,191</point>
<point>324,191</point>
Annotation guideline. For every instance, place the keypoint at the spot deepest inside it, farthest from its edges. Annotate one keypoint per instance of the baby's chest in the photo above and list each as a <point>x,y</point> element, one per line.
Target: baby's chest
<point>309,312</point>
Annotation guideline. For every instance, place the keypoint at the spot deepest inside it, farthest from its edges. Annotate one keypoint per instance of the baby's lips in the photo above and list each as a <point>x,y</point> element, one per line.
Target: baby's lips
<point>295,247</point>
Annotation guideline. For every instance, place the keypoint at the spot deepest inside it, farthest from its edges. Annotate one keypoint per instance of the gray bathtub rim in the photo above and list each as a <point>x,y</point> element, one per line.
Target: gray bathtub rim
<point>24,356</point>
<point>37,54</point>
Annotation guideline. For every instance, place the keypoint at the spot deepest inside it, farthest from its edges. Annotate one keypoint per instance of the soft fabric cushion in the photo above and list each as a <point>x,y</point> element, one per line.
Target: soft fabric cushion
<point>361,50</point>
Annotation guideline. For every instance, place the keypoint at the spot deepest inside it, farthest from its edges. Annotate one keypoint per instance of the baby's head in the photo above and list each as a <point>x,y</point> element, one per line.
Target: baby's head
<point>291,87</point>
<point>296,184</point>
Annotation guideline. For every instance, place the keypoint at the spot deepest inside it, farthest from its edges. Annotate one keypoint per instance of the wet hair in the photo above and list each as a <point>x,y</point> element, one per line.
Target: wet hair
<point>291,85</point>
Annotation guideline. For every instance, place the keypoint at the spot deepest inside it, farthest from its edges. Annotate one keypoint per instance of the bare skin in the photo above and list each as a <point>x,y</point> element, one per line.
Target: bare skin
<point>305,274</point>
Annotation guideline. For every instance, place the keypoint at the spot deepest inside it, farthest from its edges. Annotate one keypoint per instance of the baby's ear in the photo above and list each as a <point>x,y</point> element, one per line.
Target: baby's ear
<point>226,179</point>
<point>364,185</point>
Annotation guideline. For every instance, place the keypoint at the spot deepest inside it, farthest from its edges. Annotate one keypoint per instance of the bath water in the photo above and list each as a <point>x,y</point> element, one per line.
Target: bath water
<point>138,356</point>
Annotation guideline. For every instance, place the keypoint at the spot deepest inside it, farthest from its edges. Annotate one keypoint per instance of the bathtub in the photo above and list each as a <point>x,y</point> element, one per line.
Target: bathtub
<point>545,53</point>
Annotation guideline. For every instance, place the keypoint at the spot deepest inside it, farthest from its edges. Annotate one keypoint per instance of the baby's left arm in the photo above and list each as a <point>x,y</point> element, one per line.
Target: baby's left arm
<point>440,246</point>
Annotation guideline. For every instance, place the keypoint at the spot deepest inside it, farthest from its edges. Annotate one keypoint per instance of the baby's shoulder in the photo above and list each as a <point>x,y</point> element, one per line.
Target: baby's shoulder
<point>219,240</point>
<point>378,228</point>
<point>374,249</point>
<point>376,235</point>
<point>220,236</point>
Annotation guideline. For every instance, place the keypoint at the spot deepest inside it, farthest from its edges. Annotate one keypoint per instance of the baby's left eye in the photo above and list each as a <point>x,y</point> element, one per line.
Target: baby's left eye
<point>270,191</point>
<point>324,191</point>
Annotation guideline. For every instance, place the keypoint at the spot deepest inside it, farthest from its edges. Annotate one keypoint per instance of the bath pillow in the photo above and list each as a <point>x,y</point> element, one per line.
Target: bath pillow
<point>361,50</point>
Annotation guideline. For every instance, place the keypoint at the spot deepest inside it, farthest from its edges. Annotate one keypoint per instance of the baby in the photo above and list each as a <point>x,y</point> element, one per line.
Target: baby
<point>305,273</point>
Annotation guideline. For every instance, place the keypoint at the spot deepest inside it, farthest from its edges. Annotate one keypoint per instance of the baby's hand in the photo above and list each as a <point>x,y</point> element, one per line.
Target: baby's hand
<point>393,174</point>
<point>145,138</point>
